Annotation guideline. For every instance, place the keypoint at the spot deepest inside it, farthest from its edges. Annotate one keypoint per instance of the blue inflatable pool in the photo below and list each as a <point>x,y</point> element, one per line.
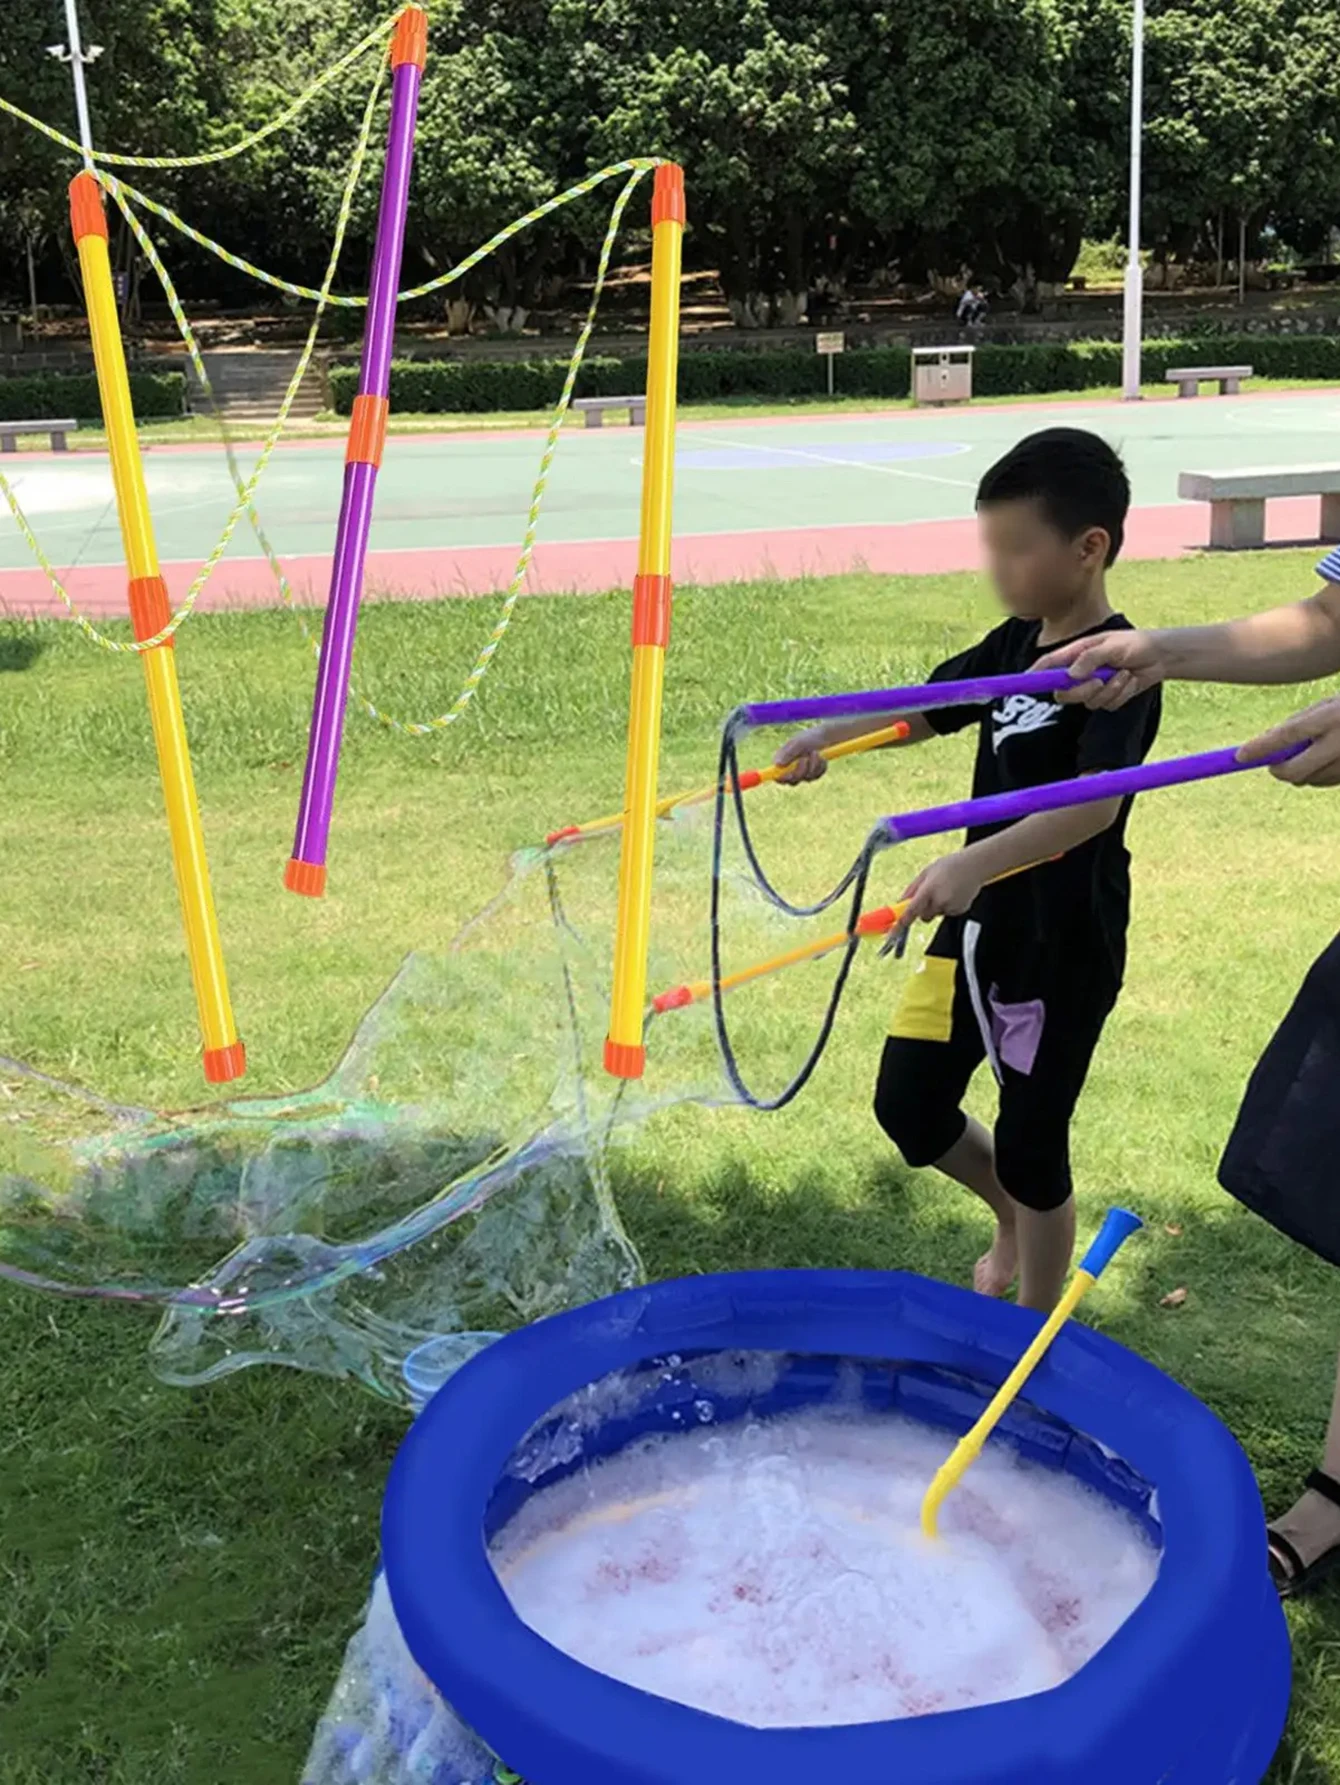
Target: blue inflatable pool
<point>1192,1690</point>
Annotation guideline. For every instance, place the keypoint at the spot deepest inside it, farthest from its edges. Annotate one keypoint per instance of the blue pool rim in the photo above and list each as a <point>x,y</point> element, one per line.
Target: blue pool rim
<point>1192,1690</point>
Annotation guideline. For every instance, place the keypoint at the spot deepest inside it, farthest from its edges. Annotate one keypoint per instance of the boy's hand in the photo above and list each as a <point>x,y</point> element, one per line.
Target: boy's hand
<point>946,889</point>
<point>801,759</point>
<point>1135,658</point>
<point>1319,728</point>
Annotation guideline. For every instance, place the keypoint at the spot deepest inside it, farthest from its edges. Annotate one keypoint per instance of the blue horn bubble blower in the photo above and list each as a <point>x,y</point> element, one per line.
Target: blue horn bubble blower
<point>1117,1228</point>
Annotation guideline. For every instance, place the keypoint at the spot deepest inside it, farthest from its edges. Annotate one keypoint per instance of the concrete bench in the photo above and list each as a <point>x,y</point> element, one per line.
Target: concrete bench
<point>593,408</point>
<point>1189,379</point>
<point>10,431</point>
<point>1238,499</point>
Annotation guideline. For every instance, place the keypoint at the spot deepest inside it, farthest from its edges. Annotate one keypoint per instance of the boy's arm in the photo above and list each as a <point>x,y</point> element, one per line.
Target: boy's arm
<point>948,887</point>
<point>801,754</point>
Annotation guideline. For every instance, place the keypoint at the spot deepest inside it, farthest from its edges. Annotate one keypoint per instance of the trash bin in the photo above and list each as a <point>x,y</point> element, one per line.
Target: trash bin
<point>942,374</point>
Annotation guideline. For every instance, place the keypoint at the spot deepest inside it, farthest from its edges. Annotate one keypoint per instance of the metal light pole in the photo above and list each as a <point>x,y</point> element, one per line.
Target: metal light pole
<point>1133,313</point>
<point>73,52</point>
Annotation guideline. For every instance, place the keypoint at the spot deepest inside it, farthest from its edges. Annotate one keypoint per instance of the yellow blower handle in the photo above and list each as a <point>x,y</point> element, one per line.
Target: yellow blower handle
<point>1117,1228</point>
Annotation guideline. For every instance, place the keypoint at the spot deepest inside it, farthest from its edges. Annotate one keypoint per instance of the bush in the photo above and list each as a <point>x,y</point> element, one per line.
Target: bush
<point>437,387</point>
<point>42,396</point>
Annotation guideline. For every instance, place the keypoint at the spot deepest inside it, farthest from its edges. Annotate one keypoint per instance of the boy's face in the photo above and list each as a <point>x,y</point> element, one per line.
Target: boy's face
<point>1036,569</point>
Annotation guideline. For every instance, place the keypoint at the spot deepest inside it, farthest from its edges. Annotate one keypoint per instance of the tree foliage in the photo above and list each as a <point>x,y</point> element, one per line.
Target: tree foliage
<point>822,141</point>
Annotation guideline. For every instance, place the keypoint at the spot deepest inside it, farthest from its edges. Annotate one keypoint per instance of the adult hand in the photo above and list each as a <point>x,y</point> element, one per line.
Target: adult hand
<point>1319,728</point>
<point>945,889</point>
<point>1136,660</point>
<point>801,758</point>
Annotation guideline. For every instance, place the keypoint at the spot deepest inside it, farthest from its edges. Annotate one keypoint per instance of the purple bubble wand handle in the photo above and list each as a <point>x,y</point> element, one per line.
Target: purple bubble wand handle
<point>306,870</point>
<point>924,697</point>
<point>1057,796</point>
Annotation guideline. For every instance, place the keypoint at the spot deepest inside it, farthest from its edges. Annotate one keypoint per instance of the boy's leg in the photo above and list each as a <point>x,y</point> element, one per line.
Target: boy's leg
<point>934,1047</point>
<point>971,1161</point>
<point>1044,1047</point>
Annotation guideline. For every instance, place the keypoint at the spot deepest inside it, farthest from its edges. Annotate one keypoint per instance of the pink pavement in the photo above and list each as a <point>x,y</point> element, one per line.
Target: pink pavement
<point>909,549</point>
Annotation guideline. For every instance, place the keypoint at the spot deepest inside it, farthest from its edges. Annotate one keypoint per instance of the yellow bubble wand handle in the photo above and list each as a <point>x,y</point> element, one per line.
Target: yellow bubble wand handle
<point>224,1055</point>
<point>750,779</point>
<point>1117,1228</point>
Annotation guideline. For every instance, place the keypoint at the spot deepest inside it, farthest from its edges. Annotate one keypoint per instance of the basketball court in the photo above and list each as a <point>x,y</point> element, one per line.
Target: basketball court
<point>889,492</point>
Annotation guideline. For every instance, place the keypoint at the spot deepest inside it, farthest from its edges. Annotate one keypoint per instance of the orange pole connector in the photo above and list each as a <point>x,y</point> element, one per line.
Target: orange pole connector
<point>749,780</point>
<point>625,1056</point>
<point>224,1055</point>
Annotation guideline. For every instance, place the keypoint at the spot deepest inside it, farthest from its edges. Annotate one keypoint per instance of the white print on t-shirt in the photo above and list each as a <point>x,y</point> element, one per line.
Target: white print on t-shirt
<point>1021,713</point>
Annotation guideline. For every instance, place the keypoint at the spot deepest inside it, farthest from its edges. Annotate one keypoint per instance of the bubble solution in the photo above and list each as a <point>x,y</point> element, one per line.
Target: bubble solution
<point>772,1571</point>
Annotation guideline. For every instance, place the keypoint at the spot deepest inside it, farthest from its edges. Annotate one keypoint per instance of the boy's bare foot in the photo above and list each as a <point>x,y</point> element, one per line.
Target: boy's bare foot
<point>994,1273</point>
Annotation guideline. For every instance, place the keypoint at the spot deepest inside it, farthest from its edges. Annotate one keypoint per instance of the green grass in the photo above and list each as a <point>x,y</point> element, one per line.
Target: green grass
<point>179,1570</point>
<point>190,429</point>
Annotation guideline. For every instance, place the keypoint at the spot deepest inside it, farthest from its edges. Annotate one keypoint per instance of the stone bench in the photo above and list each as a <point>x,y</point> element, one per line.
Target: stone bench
<point>1189,379</point>
<point>1238,499</point>
<point>57,430</point>
<point>593,408</point>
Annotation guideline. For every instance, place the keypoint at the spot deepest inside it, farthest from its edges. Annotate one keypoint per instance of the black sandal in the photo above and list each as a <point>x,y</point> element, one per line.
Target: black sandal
<point>1290,1573</point>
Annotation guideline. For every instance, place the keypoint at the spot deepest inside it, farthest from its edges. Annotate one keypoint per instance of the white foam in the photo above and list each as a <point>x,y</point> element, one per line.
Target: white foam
<point>774,1573</point>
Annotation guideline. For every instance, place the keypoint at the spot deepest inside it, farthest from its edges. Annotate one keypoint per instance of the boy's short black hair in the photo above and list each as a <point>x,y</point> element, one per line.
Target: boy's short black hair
<point>1077,479</point>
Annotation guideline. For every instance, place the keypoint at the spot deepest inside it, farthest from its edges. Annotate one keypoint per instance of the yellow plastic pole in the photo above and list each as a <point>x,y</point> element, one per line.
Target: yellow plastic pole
<point>625,1055</point>
<point>224,1055</point>
<point>1118,1226</point>
<point>750,779</point>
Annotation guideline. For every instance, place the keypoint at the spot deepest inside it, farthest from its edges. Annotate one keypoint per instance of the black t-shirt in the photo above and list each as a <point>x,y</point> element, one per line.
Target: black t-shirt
<point>1082,902</point>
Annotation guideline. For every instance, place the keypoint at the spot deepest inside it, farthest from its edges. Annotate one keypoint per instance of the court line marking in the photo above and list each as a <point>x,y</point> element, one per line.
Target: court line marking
<point>817,458</point>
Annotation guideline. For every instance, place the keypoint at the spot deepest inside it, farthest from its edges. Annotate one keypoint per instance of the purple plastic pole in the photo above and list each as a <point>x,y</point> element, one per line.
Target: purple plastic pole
<point>923,698</point>
<point>306,871</point>
<point>1055,796</point>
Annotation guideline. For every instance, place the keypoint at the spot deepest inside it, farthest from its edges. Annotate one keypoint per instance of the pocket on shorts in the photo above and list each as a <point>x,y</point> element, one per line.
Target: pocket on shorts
<point>1016,1031</point>
<point>926,1010</point>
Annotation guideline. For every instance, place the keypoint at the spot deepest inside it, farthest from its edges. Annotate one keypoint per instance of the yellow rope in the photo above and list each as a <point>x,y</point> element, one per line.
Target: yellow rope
<point>489,649</point>
<point>641,163</point>
<point>285,118</point>
<point>246,492</point>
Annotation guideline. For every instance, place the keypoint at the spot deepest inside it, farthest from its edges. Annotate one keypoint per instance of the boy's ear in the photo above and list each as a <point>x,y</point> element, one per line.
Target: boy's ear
<point>1095,546</point>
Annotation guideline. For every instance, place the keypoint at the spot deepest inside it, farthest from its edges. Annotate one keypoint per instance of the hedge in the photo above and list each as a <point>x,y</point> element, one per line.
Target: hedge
<point>477,386</point>
<point>41,396</point>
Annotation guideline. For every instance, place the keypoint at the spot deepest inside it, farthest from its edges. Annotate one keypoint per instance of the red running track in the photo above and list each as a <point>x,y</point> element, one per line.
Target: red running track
<point>909,549</point>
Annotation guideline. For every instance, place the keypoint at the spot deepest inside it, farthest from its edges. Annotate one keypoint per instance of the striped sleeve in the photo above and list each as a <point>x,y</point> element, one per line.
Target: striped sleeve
<point>1329,568</point>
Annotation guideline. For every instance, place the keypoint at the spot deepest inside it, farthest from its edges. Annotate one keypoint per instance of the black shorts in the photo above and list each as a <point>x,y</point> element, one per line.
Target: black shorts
<point>1283,1157</point>
<point>967,1001</point>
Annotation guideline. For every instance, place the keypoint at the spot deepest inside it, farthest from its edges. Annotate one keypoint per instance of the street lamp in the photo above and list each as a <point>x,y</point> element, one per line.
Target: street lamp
<point>1133,309</point>
<point>78,58</point>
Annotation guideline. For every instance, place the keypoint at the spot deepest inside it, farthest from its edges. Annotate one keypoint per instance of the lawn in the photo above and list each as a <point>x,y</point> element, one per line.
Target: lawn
<point>179,1570</point>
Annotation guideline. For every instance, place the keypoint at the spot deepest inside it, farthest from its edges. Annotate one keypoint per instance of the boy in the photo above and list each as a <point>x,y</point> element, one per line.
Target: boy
<point>1024,971</point>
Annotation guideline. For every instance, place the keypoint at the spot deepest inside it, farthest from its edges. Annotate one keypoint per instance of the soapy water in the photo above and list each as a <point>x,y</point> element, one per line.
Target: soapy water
<point>772,1571</point>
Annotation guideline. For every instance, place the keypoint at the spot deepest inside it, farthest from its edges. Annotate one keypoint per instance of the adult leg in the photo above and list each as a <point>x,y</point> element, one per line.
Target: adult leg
<point>1309,1532</point>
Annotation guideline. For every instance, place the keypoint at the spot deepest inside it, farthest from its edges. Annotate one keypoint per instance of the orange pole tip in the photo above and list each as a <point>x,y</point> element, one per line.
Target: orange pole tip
<point>367,430</point>
<point>223,1064</point>
<point>675,999</point>
<point>565,835</point>
<point>307,878</point>
<point>667,198</point>
<point>87,217</point>
<point>409,42</point>
<point>652,595</point>
<point>750,779</point>
<point>874,923</point>
<point>623,1060</point>
<point>150,609</point>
